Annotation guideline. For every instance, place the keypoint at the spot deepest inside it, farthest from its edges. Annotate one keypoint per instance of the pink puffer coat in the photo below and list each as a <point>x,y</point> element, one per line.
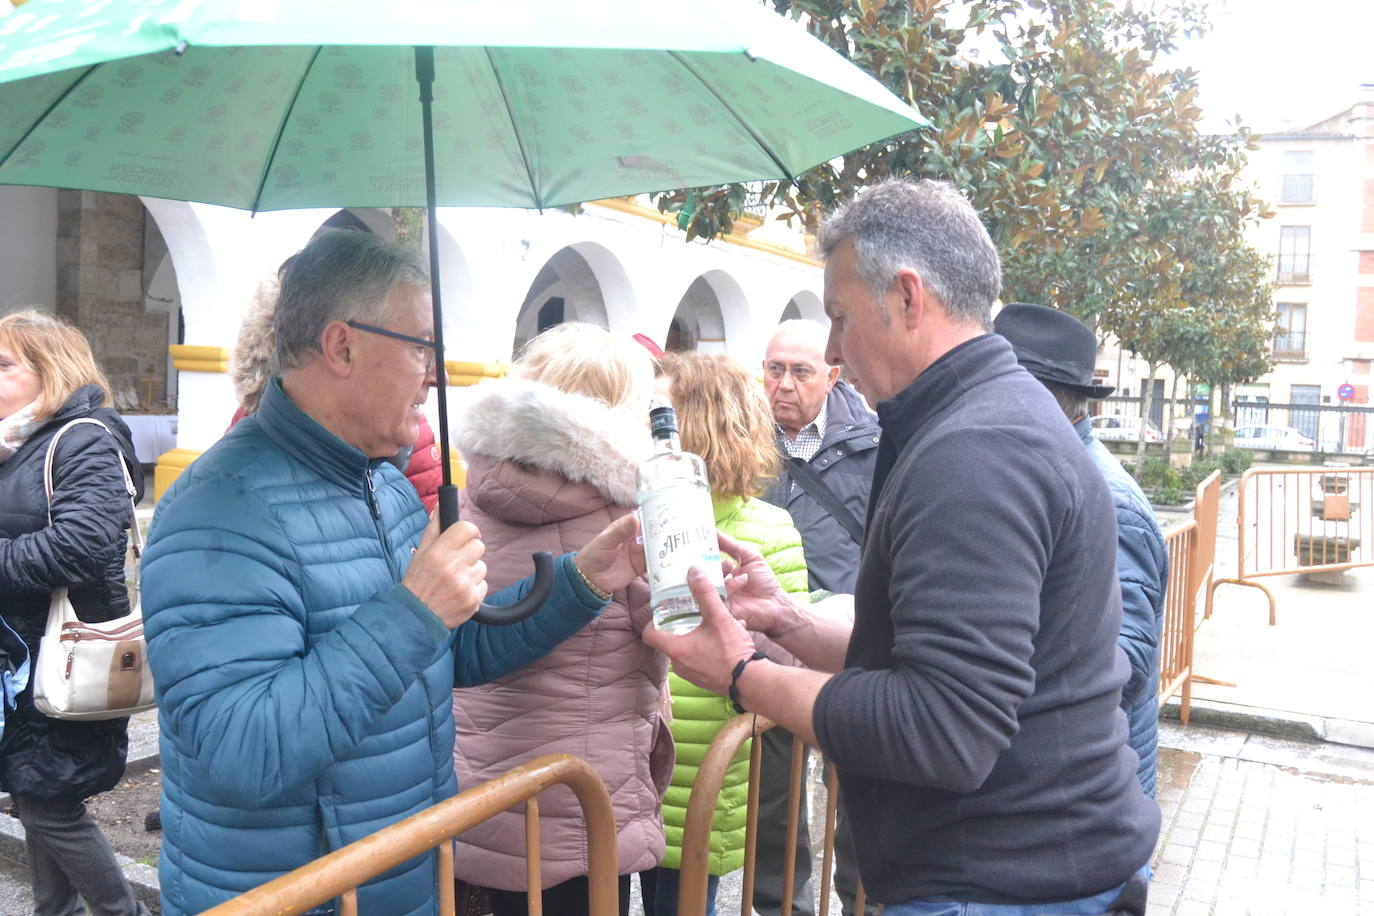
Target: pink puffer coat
<point>548,470</point>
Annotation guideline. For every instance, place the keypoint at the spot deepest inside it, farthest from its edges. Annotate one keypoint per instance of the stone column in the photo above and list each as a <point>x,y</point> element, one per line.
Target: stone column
<point>100,288</point>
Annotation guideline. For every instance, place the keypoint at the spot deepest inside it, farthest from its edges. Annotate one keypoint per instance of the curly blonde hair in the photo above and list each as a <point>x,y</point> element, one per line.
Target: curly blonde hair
<point>723,417</point>
<point>55,351</point>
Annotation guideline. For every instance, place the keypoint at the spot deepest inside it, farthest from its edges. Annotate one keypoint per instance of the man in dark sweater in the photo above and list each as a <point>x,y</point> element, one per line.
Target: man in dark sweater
<point>973,709</point>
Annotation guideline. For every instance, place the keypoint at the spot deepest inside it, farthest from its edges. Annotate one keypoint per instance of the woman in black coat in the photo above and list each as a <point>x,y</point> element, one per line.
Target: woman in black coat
<point>48,378</point>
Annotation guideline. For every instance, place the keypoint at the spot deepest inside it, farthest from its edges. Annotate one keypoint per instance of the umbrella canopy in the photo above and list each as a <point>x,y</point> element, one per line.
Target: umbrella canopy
<point>290,104</point>
<point>284,104</point>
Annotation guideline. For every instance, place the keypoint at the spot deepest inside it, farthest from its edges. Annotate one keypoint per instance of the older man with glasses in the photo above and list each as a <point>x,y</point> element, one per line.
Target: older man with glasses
<point>306,621</point>
<point>829,441</point>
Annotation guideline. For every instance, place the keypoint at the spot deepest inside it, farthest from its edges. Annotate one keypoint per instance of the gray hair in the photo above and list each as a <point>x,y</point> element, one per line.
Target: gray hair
<point>341,275</point>
<point>813,333</point>
<point>925,226</point>
<point>1073,403</point>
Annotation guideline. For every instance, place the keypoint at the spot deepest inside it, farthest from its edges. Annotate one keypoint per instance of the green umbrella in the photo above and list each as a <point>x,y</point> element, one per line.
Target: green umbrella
<point>287,104</point>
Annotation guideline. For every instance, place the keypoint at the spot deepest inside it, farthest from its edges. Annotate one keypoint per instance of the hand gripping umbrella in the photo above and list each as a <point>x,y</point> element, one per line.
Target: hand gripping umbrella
<point>286,104</point>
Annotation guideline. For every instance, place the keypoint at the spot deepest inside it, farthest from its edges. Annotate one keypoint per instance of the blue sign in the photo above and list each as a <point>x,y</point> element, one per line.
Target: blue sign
<point>1345,392</point>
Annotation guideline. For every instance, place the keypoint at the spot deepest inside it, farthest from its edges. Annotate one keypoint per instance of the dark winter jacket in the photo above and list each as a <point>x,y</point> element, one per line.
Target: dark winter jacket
<point>977,725</point>
<point>845,461</point>
<point>1142,565</point>
<point>84,549</point>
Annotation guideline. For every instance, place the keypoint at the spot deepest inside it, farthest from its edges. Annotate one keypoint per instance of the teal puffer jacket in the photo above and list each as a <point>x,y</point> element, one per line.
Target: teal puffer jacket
<point>305,699</point>
<point>699,714</point>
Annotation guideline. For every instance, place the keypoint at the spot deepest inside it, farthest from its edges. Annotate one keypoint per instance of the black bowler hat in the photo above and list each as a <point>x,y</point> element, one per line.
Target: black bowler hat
<point>1052,345</point>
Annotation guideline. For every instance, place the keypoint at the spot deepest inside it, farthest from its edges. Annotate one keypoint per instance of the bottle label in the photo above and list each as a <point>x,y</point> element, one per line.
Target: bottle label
<point>679,533</point>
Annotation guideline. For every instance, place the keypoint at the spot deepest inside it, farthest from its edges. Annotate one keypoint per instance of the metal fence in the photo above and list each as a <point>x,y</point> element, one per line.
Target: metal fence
<point>1337,429</point>
<point>1302,521</point>
<point>1192,547</point>
<point>340,873</point>
<point>701,806</point>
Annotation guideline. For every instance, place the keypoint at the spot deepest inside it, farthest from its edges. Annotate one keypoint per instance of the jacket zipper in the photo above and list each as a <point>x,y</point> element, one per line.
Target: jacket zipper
<point>381,529</point>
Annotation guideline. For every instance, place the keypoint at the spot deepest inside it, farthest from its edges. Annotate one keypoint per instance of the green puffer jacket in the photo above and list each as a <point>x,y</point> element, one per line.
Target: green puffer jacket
<point>698,714</point>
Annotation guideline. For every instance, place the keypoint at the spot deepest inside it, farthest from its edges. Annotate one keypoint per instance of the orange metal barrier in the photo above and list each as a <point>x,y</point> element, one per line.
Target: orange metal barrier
<point>1192,548</point>
<point>1180,608</point>
<point>701,806</point>
<point>1301,521</point>
<point>339,874</point>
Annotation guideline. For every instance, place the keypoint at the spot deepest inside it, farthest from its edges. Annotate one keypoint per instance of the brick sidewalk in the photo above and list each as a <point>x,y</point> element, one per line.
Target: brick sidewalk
<point>1258,826</point>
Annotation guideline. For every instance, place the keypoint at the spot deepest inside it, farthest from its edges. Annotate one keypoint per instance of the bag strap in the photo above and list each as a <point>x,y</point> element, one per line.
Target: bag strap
<point>134,534</point>
<point>811,482</point>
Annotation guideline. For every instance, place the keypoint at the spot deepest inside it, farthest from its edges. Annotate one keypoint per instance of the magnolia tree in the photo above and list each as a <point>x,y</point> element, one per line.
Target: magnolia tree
<point>1077,144</point>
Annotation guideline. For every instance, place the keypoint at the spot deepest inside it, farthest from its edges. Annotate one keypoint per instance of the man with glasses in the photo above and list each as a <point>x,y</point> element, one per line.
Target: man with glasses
<point>829,441</point>
<point>306,621</point>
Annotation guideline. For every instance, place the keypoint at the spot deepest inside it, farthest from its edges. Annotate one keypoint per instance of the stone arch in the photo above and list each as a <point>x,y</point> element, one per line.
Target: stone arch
<point>711,316</point>
<point>583,281</point>
<point>804,304</point>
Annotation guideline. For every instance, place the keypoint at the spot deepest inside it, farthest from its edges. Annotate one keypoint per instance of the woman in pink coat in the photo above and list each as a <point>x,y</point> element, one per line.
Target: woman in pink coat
<point>551,454</point>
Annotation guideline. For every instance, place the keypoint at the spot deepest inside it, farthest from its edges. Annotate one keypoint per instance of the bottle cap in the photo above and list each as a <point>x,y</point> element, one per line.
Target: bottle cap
<point>662,421</point>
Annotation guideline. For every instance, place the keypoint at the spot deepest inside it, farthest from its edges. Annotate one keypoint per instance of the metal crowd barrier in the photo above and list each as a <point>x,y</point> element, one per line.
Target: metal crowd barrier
<point>1192,548</point>
<point>1302,521</point>
<point>338,874</point>
<point>701,807</point>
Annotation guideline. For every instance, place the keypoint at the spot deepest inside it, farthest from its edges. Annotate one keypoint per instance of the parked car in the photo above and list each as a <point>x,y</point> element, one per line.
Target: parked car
<point>1281,438</point>
<point>1124,429</point>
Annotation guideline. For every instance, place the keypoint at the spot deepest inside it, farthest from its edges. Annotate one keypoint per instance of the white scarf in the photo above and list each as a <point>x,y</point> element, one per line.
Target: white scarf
<point>16,429</point>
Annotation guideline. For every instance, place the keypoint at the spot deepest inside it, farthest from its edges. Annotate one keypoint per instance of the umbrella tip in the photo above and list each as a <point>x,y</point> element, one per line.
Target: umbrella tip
<point>180,49</point>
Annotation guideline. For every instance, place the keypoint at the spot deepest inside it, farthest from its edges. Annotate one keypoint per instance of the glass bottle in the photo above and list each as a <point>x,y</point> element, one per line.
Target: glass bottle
<point>679,525</point>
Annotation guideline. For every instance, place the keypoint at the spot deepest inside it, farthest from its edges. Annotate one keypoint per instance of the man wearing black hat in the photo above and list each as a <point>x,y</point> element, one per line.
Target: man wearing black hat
<point>1060,351</point>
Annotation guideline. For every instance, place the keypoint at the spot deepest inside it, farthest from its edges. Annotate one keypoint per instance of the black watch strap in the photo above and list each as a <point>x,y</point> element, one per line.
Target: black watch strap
<point>734,679</point>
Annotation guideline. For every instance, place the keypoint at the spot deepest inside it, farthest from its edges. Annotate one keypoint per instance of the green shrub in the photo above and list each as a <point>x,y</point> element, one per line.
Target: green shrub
<point>1155,473</point>
<point>1235,461</point>
<point>1168,496</point>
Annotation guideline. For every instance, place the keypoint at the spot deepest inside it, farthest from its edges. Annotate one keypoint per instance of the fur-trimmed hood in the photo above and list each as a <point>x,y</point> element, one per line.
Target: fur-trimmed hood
<point>577,438</point>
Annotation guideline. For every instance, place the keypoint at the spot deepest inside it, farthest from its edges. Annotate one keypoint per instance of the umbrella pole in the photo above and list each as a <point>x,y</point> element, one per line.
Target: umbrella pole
<point>542,587</point>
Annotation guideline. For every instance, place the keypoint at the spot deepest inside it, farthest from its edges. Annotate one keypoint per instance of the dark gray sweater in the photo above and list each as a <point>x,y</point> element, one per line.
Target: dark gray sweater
<point>977,729</point>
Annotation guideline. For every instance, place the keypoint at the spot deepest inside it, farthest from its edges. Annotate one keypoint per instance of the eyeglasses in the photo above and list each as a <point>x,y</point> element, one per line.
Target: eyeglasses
<point>424,350</point>
<point>800,374</point>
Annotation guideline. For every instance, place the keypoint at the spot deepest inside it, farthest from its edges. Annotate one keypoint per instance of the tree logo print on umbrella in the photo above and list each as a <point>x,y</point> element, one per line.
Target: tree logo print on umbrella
<point>308,124</point>
<point>60,120</point>
<point>360,141</point>
<point>330,103</point>
<point>130,122</point>
<point>214,114</point>
<point>288,176</point>
<point>172,96</point>
<point>176,134</point>
<point>235,86</point>
<point>673,84</point>
<point>72,161</point>
<point>296,148</point>
<point>670,127</point>
<point>348,76</point>
<point>89,96</point>
<point>572,84</point>
<point>127,77</point>
<point>31,153</point>
<point>198,76</point>
<point>93,134</point>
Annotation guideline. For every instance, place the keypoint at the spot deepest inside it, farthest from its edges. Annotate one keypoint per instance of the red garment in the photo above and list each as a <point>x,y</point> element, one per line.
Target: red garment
<point>425,470</point>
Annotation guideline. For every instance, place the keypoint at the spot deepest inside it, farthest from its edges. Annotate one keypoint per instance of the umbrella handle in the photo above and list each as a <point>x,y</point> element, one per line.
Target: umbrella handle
<point>503,615</point>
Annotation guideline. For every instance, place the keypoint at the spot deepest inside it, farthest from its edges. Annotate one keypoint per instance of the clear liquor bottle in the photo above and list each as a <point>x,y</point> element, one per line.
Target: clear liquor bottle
<point>679,525</point>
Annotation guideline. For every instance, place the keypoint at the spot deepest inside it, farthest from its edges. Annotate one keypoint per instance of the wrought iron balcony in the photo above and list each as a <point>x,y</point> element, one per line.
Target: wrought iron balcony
<point>1295,268</point>
<point>1298,189</point>
<point>1290,345</point>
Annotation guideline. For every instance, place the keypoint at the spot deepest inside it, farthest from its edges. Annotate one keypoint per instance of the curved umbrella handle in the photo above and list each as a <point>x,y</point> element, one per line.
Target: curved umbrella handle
<point>503,615</point>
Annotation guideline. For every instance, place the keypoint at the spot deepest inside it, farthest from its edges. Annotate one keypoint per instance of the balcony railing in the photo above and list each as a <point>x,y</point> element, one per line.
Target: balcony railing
<point>1298,189</point>
<point>1290,345</point>
<point>1295,268</point>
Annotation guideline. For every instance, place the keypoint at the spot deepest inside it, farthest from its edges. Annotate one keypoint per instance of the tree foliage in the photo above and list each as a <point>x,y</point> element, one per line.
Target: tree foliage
<point>1077,145</point>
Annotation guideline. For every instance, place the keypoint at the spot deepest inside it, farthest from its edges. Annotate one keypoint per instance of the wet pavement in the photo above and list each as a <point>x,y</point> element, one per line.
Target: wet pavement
<point>1257,826</point>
